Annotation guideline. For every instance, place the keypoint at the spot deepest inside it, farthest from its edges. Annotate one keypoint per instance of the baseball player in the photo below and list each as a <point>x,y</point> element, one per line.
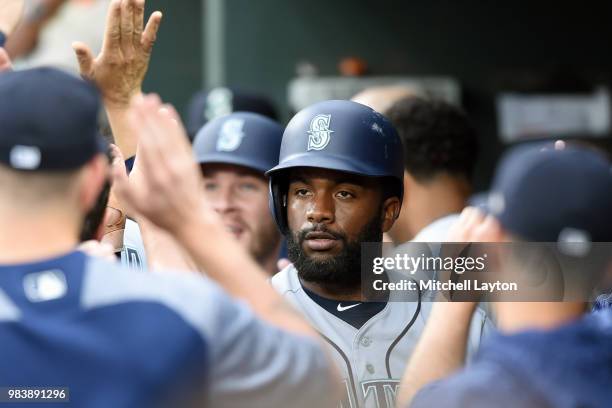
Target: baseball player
<point>234,152</point>
<point>440,152</point>
<point>94,334</point>
<point>547,353</point>
<point>339,183</point>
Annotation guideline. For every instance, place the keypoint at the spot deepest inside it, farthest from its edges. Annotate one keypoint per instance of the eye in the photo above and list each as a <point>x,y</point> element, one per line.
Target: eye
<point>302,192</point>
<point>343,194</point>
<point>246,186</point>
<point>210,186</point>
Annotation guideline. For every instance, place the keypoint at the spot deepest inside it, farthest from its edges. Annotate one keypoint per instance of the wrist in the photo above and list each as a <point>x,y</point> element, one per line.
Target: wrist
<point>193,227</point>
<point>454,310</point>
<point>119,104</point>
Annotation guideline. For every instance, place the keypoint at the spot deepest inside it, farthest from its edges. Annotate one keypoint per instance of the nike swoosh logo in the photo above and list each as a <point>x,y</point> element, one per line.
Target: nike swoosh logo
<point>343,308</point>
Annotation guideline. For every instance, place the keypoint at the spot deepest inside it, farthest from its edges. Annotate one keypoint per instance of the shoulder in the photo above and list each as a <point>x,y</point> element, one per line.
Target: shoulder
<point>196,299</point>
<point>484,384</point>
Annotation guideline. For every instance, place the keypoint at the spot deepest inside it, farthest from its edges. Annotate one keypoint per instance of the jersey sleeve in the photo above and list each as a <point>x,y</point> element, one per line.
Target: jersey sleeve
<point>255,364</point>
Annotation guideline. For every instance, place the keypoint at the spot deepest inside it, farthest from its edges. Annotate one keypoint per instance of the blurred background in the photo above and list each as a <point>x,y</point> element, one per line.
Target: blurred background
<point>521,69</point>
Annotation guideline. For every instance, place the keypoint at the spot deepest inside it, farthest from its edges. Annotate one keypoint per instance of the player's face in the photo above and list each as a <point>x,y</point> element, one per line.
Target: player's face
<point>240,196</point>
<point>329,214</point>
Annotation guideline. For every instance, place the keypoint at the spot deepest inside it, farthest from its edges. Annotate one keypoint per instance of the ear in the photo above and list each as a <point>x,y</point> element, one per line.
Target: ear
<point>391,210</point>
<point>94,175</point>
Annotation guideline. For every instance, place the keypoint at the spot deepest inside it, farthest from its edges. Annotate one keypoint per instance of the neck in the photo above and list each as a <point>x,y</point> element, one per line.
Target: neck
<point>31,237</point>
<point>426,202</point>
<point>514,317</point>
<point>270,262</point>
<point>333,292</point>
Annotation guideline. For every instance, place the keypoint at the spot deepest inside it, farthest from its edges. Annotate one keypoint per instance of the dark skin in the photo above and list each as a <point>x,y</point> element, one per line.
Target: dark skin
<point>340,203</point>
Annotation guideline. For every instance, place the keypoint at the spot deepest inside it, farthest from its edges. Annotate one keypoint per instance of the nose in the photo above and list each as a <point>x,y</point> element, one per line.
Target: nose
<point>222,200</point>
<point>321,210</point>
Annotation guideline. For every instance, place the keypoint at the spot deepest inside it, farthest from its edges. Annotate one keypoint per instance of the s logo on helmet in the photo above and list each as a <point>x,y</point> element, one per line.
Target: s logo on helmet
<point>230,136</point>
<point>319,134</point>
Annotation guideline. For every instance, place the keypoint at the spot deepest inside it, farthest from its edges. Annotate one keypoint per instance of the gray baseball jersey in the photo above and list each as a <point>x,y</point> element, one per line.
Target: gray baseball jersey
<point>371,358</point>
<point>133,253</point>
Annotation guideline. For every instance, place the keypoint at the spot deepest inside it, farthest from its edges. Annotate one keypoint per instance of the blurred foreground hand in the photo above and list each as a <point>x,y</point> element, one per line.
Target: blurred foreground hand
<point>10,14</point>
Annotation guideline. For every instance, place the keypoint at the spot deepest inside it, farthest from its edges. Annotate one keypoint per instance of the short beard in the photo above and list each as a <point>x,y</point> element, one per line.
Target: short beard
<point>342,273</point>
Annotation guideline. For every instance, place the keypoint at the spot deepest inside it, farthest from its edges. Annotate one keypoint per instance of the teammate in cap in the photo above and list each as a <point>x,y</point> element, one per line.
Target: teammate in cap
<point>547,353</point>
<point>234,152</point>
<point>108,336</point>
<point>338,184</point>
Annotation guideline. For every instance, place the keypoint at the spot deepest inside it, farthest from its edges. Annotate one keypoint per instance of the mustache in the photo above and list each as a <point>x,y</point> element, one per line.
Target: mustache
<point>303,233</point>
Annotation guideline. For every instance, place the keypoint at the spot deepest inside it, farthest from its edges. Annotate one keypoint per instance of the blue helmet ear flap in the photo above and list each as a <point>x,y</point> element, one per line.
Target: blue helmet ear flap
<point>278,203</point>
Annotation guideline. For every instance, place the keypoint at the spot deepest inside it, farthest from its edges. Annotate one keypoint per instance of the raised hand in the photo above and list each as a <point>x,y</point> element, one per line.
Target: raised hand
<point>10,14</point>
<point>121,67</point>
<point>168,189</point>
<point>475,226</point>
<point>5,61</point>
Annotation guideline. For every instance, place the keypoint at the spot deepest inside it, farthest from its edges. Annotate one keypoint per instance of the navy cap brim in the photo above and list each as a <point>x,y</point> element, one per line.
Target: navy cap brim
<point>220,158</point>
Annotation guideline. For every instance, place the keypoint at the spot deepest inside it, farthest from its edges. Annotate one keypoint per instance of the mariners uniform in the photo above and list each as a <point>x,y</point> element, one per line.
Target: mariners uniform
<point>371,341</point>
<point>133,253</point>
<point>372,357</point>
<point>116,338</point>
<point>121,339</point>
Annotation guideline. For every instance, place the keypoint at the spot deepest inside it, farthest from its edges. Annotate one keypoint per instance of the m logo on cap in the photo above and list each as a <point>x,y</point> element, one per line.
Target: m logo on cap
<point>230,136</point>
<point>25,157</point>
<point>319,134</point>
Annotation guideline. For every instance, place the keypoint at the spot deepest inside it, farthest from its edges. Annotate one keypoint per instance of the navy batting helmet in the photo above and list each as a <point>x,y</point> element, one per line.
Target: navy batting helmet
<point>337,135</point>
<point>242,138</point>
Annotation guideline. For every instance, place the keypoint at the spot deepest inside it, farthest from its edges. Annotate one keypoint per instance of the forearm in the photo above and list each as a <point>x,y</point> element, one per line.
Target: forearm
<point>125,139</point>
<point>226,262</point>
<point>440,350</point>
<point>163,251</point>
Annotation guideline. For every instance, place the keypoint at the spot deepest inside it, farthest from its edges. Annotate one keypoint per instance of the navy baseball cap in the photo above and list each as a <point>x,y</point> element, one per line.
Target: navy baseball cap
<point>206,106</point>
<point>543,194</point>
<point>241,138</point>
<point>48,120</point>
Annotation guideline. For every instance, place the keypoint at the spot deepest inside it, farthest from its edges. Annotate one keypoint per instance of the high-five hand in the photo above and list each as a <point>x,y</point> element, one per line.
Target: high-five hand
<point>120,68</point>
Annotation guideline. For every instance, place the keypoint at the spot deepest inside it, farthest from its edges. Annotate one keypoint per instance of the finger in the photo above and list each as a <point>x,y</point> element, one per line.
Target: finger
<point>139,10</point>
<point>127,28</point>
<point>176,136</point>
<point>147,154</point>
<point>118,161</point>
<point>116,152</point>
<point>488,231</point>
<point>5,61</point>
<point>282,263</point>
<point>473,219</point>
<point>128,196</point>
<point>149,35</point>
<point>85,58</point>
<point>112,36</point>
